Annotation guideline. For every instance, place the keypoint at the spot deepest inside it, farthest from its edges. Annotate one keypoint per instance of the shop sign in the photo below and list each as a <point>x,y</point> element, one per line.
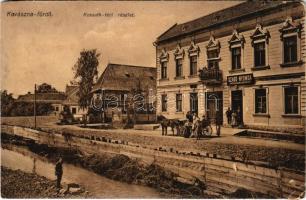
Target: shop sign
<point>241,79</point>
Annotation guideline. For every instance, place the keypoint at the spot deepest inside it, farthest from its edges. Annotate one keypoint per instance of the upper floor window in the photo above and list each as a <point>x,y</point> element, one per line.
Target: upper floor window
<point>164,102</point>
<point>179,56</point>
<point>290,49</point>
<point>290,35</point>
<point>179,67</point>
<point>236,45</point>
<point>193,57</point>
<point>260,41</point>
<point>178,102</point>
<point>163,59</point>
<point>213,59</point>
<point>291,100</point>
<point>193,65</point>
<point>259,54</point>
<point>213,49</point>
<point>260,101</point>
<point>164,70</point>
<point>236,58</point>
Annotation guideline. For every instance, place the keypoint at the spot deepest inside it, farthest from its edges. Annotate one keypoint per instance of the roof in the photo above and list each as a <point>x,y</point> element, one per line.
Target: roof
<point>126,77</point>
<point>43,97</point>
<point>71,93</point>
<point>238,11</point>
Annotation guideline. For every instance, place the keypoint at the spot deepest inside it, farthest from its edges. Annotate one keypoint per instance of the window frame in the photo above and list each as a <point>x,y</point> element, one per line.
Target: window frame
<point>179,55</point>
<point>260,35</point>
<point>298,49</point>
<point>164,70</point>
<point>177,65</point>
<point>265,59</point>
<point>179,107</point>
<point>195,101</point>
<point>213,45</point>
<point>163,58</point>
<point>284,100</point>
<point>164,99</point>
<point>193,69</point>
<point>236,41</point>
<point>232,58</point>
<point>288,29</point>
<point>213,59</point>
<point>267,102</point>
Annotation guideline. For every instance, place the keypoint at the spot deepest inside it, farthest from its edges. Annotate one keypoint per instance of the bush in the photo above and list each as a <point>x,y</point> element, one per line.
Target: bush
<point>27,109</point>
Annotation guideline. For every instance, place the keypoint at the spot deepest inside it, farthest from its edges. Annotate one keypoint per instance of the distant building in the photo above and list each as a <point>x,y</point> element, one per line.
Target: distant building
<point>72,101</point>
<point>123,87</point>
<point>249,57</point>
<point>54,98</point>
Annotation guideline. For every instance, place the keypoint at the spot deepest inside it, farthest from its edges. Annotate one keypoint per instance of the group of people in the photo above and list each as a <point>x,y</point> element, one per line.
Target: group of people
<point>193,118</point>
<point>234,117</point>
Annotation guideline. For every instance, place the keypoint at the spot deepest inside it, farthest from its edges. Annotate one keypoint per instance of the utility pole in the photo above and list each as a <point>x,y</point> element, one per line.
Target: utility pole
<point>35,106</point>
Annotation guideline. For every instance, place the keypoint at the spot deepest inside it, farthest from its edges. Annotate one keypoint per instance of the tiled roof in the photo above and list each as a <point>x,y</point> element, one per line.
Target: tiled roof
<point>126,77</point>
<point>71,93</point>
<point>43,97</point>
<point>241,10</point>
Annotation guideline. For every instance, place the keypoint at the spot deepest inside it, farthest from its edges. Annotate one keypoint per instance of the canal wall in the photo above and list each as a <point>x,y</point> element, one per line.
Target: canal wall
<point>222,174</point>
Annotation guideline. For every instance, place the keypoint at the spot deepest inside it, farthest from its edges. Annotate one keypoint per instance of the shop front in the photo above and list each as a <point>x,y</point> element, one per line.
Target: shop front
<point>237,84</point>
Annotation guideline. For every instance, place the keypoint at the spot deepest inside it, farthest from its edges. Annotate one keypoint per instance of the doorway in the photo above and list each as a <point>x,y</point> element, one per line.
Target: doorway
<point>214,104</point>
<point>237,102</point>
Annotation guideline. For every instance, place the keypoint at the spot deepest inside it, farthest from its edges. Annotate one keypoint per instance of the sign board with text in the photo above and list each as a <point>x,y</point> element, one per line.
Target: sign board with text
<point>241,79</point>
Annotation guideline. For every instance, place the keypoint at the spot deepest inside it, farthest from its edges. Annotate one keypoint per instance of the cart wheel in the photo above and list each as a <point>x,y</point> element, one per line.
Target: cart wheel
<point>207,131</point>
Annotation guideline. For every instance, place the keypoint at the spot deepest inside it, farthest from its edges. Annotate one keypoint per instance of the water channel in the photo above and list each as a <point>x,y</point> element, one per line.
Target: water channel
<point>98,186</point>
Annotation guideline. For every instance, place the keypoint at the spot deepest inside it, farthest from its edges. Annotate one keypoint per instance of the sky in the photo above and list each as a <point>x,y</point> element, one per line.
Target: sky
<point>37,50</point>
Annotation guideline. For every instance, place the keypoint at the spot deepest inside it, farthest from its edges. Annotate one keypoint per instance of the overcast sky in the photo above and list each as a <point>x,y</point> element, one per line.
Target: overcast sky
<point>44,49</point>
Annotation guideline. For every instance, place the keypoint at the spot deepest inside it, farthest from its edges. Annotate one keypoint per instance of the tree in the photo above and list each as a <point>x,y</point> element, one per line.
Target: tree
<point>7,102</point>
<point>46,88</point>
<point>85,71</point>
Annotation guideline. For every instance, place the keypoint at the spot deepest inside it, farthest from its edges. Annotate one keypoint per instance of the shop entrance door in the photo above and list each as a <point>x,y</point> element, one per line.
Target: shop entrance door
<point>237,102</point>
<point>214,104</point>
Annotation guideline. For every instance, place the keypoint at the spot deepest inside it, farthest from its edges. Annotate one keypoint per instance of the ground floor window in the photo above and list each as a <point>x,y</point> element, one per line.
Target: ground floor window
<point>291,100</point>
<point>164,102</point>
<point>56,108</point>
<point>260,101</point>
<point>194,102</point>
<point>73,110</point>
<point>178,102</point>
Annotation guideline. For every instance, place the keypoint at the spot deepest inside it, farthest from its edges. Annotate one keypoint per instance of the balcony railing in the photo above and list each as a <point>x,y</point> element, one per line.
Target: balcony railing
<point>211,76</point>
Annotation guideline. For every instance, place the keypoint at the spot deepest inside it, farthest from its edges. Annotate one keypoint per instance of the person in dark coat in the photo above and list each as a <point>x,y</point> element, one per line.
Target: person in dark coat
<point>229,115</point>
<point>59,172</point>
<point>189,116</point>
<point>218,122</point>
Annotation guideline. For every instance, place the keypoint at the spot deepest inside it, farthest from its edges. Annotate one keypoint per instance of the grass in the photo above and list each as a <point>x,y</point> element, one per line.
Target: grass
<point>29,120</point>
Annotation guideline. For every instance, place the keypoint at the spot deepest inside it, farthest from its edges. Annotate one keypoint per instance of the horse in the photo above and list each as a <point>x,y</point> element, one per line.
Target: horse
<point>173,123</point>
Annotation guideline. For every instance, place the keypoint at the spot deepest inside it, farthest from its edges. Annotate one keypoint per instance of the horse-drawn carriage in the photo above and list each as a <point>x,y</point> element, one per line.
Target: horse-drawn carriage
<point>185,128</point>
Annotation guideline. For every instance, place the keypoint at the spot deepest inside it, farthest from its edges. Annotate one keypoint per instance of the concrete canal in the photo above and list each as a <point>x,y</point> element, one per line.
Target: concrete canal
<point>222,176</point>
<point>97,186</point>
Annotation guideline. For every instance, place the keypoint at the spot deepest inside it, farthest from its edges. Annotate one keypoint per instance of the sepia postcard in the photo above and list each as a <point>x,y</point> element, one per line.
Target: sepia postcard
<point>153,99</point>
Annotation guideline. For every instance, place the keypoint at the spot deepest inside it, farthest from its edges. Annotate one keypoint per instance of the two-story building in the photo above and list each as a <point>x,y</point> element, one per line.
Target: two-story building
<point>249,57</point>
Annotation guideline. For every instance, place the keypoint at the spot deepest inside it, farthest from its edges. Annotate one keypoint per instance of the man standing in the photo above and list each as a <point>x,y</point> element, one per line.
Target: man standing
<point>59,172</point>
<point>229,115</point>
<point>218,122</point>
